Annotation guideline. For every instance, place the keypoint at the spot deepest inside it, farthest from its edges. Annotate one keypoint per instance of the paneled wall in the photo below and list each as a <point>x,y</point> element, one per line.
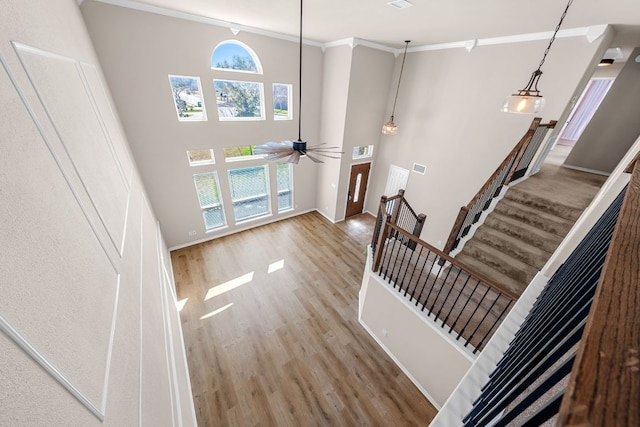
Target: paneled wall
<point>89,330</point>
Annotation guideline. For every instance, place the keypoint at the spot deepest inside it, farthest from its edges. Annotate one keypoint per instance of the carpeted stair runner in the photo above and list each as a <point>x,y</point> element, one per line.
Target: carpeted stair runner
<point>519,236</point>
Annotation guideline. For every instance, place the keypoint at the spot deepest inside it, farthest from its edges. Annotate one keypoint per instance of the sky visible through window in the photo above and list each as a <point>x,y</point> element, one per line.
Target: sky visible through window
<point>233,56</point>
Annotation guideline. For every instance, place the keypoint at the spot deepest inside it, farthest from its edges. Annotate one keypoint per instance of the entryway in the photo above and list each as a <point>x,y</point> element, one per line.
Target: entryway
<point>357,188</point>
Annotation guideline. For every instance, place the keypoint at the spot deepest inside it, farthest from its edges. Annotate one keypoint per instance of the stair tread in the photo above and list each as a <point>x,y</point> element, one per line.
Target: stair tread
<point>561,209</point>
<point>523,231</point>
<point>500,261</point>
<point>535,217</point>
<point>498,277</point>
<point>514,247</point>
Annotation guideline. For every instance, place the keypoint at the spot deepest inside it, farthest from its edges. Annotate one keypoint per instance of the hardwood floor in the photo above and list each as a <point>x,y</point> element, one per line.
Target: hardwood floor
<point>272,335</point>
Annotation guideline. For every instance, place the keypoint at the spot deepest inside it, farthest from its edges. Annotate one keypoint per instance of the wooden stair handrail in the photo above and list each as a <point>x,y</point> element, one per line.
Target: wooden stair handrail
<point>604,386</point>
<point>518,149</point>
<point>495,286</point>
<point>520,145</point>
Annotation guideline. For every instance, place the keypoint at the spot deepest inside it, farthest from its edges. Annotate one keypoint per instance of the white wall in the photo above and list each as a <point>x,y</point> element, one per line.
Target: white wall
<point>433,360</point>
<point>89,329</point>
<point>448,119</point>
<point>138,57</point>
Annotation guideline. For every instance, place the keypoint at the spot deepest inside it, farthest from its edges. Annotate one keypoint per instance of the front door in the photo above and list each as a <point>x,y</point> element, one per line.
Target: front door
<point>357,188</point>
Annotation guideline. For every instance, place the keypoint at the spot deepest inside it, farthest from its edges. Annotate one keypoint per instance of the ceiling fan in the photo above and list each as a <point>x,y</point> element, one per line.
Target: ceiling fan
<point>296,149</point>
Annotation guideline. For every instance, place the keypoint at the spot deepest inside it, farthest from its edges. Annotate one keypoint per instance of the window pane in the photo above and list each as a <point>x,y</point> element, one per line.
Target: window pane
<point>200,157</point>
<point>284,186</point>
<point>281,97</point>
<point>213,217</point>
<point>244,152</point>
<point>187,97</point>
<point>362,151</point>
<point>239,100</point>
<point>235,56</point>
<point>249,192</point>
<point>207,189</point>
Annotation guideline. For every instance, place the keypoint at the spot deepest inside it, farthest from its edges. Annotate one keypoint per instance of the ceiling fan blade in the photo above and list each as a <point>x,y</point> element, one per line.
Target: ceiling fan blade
<point>269,146</point>
<point>314,159</point>
<point>279,155</point>
<point>295,158</point>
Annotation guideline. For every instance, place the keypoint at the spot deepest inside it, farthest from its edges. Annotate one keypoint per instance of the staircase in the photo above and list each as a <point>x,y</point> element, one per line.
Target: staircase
<point>528,224</point>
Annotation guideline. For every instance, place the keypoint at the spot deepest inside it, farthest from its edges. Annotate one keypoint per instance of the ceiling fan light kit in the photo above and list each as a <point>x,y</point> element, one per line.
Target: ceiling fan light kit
<point>529,100</point>
<point>298,148</point>
<point>390,128</point>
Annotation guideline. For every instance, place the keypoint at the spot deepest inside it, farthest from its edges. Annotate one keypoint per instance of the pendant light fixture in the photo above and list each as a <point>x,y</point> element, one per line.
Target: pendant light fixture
<point>390,127</point>
<point>529,100</point>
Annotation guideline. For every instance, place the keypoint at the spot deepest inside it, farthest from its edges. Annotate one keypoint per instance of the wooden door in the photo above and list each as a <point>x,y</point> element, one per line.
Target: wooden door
<point>357,188</point>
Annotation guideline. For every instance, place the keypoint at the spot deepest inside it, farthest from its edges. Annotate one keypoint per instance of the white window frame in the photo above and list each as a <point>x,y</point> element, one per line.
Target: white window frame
<point>175,106</point>
<point>290,208</point>
<point>201,162</point>
<point>250,51</point>
<point>289,115</point>
<point>266,195</point>
<point>210,206</point>
<point>362,156</point>
<point>242,119</point>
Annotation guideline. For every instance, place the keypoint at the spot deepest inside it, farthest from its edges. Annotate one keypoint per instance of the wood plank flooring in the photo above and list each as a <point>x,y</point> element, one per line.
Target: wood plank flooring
<point>272,335</point>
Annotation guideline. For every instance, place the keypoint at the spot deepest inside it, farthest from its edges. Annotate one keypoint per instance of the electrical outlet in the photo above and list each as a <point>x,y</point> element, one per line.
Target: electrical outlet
<point>385,332</point>
<point>192,233</point>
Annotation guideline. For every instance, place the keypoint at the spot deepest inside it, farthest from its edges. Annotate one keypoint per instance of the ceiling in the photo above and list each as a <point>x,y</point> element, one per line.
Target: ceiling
<point>426,22</point>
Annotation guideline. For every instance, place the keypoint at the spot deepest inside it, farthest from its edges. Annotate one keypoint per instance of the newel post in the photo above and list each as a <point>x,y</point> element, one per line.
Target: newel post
<point>417,229</point>
<point>382,236</point>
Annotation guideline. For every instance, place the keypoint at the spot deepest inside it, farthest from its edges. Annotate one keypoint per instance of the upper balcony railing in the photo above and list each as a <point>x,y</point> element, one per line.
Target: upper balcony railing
<point>513,167</point>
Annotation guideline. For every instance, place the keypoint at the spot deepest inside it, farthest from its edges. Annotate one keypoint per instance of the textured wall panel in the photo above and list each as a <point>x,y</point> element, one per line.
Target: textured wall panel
<point>58,289</point>
<point>111,124</point>
<point>156,406</point>
<point>61,89</point>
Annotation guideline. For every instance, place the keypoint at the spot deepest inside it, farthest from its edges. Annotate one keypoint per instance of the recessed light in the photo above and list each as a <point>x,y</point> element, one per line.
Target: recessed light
<point>400,4</point>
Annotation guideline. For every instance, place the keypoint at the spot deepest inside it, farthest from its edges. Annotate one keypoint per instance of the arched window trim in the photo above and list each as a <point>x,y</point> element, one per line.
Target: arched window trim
<point>250,51</point>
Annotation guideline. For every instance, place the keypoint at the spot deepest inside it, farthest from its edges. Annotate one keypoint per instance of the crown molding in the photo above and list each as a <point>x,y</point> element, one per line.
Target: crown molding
<point>592,33</point>
<point>233,27</point>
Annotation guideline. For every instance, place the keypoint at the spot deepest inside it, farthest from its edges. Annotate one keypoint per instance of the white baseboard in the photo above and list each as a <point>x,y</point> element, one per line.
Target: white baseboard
<point>237,230</point>
<point>578,168</point>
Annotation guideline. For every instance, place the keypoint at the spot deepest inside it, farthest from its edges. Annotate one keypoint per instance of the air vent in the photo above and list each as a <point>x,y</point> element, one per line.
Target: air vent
<point>418,168</point>
<point>400,4</point>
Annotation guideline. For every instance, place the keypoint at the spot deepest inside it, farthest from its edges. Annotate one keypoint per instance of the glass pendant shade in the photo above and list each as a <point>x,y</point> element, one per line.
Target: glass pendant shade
<point>390,127</point>
<point>528,100</point>
<point>523,104</point>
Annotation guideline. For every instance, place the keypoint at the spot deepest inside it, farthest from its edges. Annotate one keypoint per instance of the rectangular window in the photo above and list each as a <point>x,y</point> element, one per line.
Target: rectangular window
<point>201,157</point>
<point>187,97</point>
<point>249,192</point>
<point>362,151</point>
<point>207,189</point>
<point>238,100</point>
<point>281,101</point>
<point>243,152</point>
<point>285,187</point>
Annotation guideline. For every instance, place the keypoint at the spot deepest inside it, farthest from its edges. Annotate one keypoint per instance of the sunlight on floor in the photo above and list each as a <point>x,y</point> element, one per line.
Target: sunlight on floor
<point>275,266</point>
<point>216,311</point>
<point>229,286</point>
<point>180,304</point>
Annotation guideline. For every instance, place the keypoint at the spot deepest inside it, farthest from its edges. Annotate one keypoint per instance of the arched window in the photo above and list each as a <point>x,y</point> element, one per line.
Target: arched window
<point>233,55</point>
